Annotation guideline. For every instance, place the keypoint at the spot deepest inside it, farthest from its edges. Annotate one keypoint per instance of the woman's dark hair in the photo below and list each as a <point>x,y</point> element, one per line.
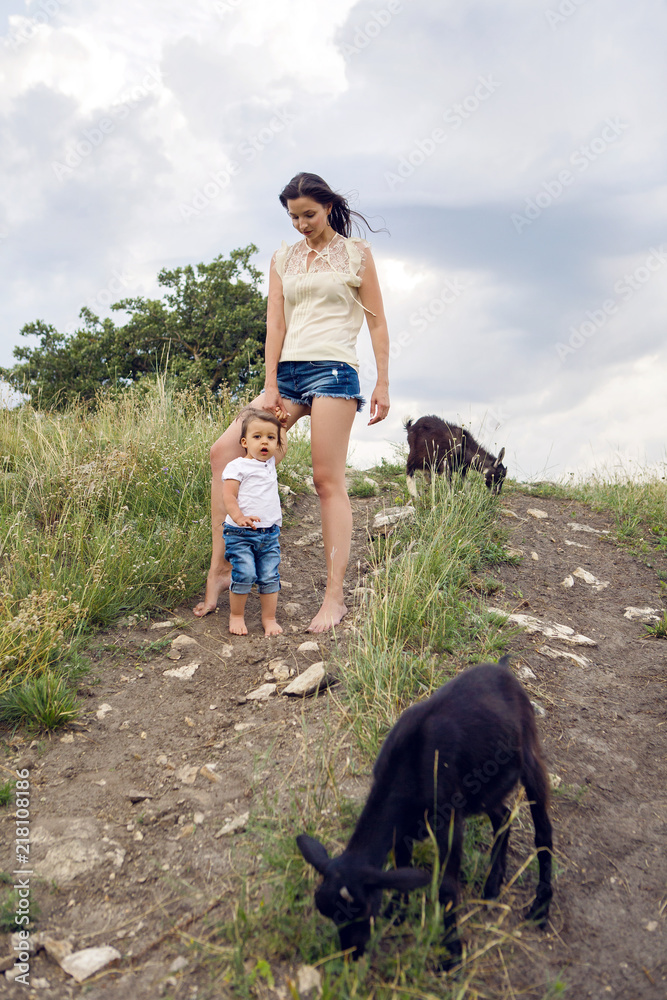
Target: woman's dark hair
<point>312,186</point>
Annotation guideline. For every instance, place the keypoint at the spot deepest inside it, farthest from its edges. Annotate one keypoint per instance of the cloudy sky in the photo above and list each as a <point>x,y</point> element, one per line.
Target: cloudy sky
<point>515,151</point>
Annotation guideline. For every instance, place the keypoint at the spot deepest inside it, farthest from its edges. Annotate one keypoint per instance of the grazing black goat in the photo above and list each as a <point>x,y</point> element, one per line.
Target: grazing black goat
<point>458,753</point>
<point>436,445</point>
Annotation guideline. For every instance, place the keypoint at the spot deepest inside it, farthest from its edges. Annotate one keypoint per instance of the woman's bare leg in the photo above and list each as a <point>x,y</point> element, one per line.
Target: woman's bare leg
<point>330,426</point>
<point>225,449</point>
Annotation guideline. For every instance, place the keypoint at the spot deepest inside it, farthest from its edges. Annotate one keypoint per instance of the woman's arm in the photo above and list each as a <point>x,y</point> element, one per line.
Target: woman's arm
<point>275,335</point>
<point>371,298</point>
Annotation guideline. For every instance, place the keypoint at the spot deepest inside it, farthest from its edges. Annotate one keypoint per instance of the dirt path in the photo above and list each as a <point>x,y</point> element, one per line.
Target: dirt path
<point>125,824</point>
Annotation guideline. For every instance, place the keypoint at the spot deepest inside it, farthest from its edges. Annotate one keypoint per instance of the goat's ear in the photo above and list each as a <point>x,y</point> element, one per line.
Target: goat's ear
<point>401,879</point>
<point>504,661</point>
<point>314,852</point>
<point>499,459</point>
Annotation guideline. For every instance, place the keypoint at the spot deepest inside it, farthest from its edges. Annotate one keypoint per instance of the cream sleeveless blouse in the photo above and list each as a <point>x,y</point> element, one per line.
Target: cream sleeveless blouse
<point>323,313</point>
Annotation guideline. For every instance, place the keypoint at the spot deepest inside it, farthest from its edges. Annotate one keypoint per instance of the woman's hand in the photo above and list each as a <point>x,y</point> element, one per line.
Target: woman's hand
<point>273,402</point>
<point>379,404</point>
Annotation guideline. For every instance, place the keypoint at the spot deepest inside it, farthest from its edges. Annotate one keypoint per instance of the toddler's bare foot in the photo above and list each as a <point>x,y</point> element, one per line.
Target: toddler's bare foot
<point>216,584</point>
<point>237,625</point>
<point>331,613</point>
<point>271,627</point>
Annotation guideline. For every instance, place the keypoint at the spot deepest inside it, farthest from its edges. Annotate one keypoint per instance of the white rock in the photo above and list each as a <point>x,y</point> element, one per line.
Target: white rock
<point>538,709</point>
<point>308,682</point>
<point>555,780</point>
<point>525,674</point>
<point>551,629</point>
<point>198,818</point>
<point>311,538</point>
<point>82,964</point>
<point>577,545</point>
<point>513,553</point>
<point>241,727</point>
<point>157,625</point>
<point>225,650</point>
<point>292,609</point>
<point>310,646</point>
<point>181,962</point>
<point>583,574</point>
<point>187,774</point>
<point>508,512</point>
<point>555,654</point>
<point>182,673</point>
<point>392,516</point>
<point>568,581</point>
<point>262,693</point>
<point>67,738</point>
<point>179,645</point>
<point>54,948</point>
<point>102,711</point>
<point>233,825</point>
<point>575,526</point>
<point>539,514</point>
<point>534,556</point>
<point>645,615</point>
<point>651,925</point>
<point>40,983</point>
<point>308,981</point>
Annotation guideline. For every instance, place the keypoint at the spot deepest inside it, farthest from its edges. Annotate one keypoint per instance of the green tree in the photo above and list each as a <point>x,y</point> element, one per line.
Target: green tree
<point>208,330</point>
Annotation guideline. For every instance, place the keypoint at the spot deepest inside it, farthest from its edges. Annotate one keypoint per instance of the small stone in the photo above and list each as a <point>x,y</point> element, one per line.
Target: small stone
<point>525,674</point>
<point>508,512</point>
<point>392,517</point>
<point>538,709</point>
<point>157,625</point>
<point>574,526</point>
<point>555,780</point>
<point>136,796</point>
<point>187,774</point>
<point>207,772</point>
<point>583,574</point>
<point>182,673</point>
<point>651,926</point>
<point>198,818</point>
<point>40,983</point>
<point>182,642</point>
<point>568,581</point>
<point>555,654</point>
<point>234,825</point>
<point>308,682</point>
<point>67,738</point>
<point>138,835</point>
<point>310,646</point>
<point>513,553</point>
<point>162,760</point>
<point>189,722</point>
<point>179,963</point>
<point>308,982</point>
<point>292,609</point>
<point>262,693</point>
<point>187,831</point>
<point>82,964</point>
<point>101,783</point>
<point>645,615</point>
<point>578,545</point>
<point>539,514</point>
<point>102,711</point>
<point>242,727</point>
<point>534,556</point>
<point>310,538</point>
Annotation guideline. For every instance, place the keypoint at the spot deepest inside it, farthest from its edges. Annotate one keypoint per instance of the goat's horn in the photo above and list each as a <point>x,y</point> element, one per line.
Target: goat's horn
<point>346,894</point>
<point>499,459</point>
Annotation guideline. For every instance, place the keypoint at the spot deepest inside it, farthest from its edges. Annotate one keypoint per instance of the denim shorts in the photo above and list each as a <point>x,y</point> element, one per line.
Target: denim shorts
<point>299,381</point>
<point>255,557</point>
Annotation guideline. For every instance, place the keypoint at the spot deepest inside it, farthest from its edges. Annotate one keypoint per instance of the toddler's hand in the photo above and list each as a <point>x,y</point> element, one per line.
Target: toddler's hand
<point>247,521</point>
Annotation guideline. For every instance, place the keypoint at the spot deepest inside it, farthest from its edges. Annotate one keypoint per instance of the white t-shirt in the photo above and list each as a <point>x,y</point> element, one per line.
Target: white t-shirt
<point>258,490</point>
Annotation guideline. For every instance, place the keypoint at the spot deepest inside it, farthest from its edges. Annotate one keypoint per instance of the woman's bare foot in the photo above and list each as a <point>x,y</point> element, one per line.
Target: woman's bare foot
<point>271,627</point>
<point>237,625</point>
<point>216,584</point>
<point>331,613</point>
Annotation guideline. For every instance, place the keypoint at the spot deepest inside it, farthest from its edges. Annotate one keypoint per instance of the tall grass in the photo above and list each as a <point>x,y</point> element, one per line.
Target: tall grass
<point>102,514</point>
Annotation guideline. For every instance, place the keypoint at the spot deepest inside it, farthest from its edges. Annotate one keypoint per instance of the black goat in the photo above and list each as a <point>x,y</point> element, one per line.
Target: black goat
<point>436,445</point>
<point>458,753</point>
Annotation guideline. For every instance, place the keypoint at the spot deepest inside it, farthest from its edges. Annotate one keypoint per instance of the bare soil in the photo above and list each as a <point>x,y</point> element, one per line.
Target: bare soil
<point>124,820</point>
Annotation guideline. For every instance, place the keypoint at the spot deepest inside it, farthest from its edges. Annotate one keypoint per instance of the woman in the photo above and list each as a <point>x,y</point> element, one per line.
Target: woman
<point>319,290</point>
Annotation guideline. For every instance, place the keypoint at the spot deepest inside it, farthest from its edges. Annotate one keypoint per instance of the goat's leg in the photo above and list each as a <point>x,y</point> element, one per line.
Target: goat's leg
<point>500,817</point>
<point>537,789</point>
<point>450,844</point>
<point>397,905</point>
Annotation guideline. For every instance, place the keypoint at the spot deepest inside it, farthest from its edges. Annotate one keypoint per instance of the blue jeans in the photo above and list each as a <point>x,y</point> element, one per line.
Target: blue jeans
<point>299,381</point>
<point>255,557</point>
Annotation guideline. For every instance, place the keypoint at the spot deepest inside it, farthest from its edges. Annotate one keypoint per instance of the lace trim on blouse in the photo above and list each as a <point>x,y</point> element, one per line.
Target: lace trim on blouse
<point>344,256</point>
